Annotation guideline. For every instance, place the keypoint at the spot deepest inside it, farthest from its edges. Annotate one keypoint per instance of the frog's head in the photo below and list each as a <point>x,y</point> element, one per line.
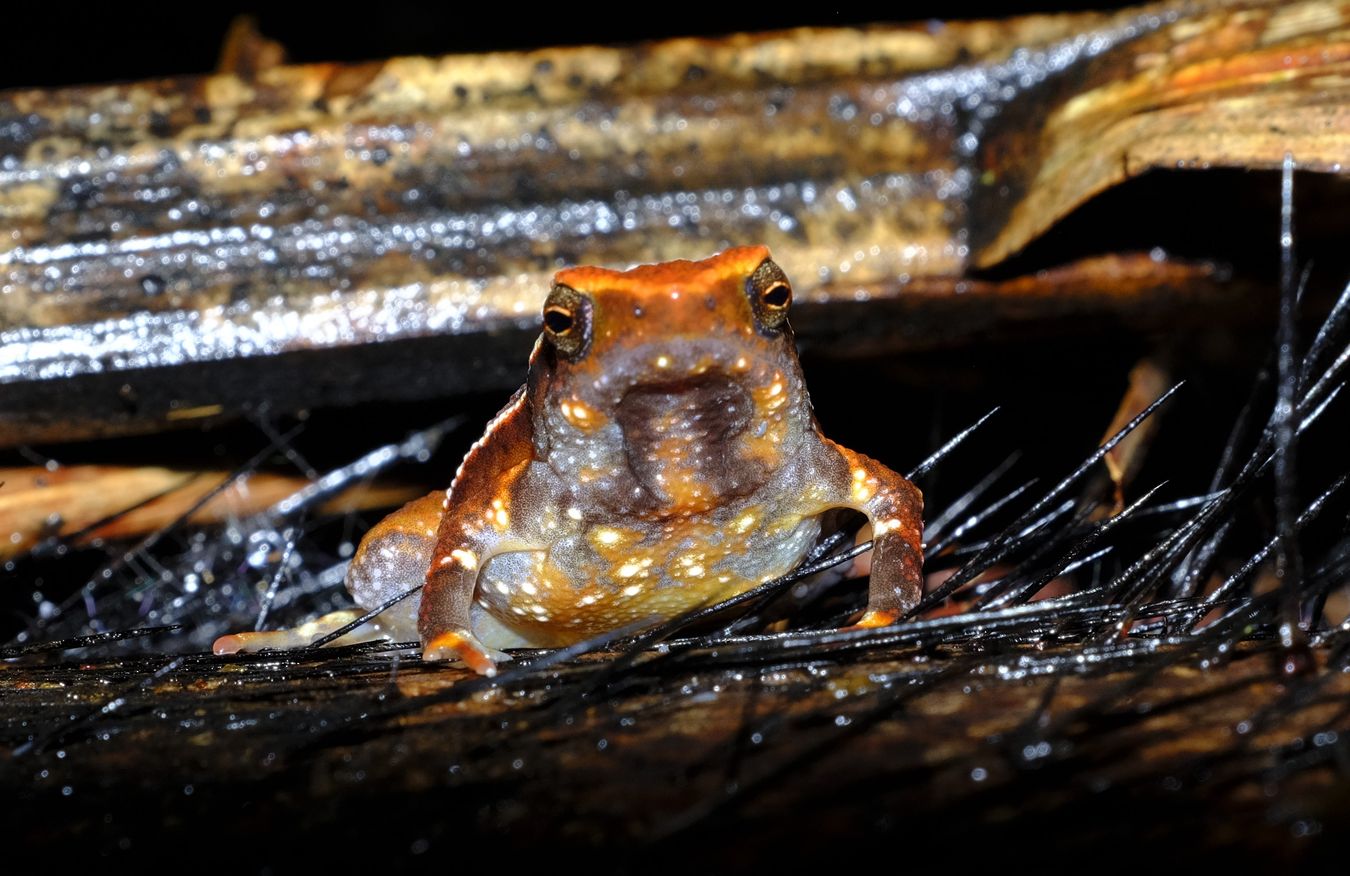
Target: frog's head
<point>688,370</point>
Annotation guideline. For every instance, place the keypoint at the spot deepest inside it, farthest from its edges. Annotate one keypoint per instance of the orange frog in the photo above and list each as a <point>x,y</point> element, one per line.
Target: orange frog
<point>662,455</point>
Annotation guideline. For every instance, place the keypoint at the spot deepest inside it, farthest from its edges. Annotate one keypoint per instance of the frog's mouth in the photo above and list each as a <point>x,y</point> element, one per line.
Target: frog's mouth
<point>680,437</point>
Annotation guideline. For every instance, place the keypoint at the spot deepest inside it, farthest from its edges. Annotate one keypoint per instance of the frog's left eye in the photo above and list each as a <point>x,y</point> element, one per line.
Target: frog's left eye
<point>567,321</point>
<point>770,295</point>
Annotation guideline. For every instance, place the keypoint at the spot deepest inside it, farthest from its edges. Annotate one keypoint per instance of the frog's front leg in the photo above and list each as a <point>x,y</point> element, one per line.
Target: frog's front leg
<point>471,533</point>
<point>894,507</point>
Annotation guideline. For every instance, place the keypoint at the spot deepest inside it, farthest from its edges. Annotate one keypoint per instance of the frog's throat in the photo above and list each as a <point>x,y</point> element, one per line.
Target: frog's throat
<point>683,438</point>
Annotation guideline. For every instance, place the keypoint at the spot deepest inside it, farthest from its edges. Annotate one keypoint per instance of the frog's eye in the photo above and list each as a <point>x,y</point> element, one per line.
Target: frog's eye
<point>770,295</point>
<point>567,321</point>
<point>559,320</point>
<point>777,297</point>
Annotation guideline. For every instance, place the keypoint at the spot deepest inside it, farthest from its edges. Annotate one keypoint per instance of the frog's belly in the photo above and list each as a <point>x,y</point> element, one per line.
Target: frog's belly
<point>609,576</point>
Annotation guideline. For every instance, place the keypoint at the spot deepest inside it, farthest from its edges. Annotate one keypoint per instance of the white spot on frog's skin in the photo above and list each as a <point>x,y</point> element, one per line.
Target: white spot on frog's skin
<point>632,590</point>
<point>502,588</point>
<point>745,522</point>
<point>576,413</point>
<point>742,364</point>
<point>607,536</point>
<point>863,487</point>
<point>529,589</point>
<point>662,362</point>
<point>467,559</point>
<point>693,564</point>
<point>586,600</point>
<point>445,561</point>
<point>629,569</point>
<point>574,513</point>
<point>882,527</point>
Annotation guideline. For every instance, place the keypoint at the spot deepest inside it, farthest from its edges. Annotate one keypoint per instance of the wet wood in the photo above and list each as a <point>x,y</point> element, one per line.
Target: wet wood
<point>1217,762</point>
<point>83,504</point>
<point>1238,86</point>
<point>169,245</point>
<point>1148,380</point>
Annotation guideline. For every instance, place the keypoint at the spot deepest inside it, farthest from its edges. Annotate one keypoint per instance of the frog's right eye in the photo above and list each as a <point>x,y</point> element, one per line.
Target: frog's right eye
<point>770,296</point>
<point>567,321</point>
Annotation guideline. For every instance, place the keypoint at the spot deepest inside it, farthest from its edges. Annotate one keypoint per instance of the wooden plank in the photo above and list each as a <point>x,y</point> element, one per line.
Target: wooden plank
<point>335,223</point>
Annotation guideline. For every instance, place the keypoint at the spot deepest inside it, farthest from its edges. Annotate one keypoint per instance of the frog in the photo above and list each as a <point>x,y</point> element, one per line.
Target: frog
<point>663,455</point>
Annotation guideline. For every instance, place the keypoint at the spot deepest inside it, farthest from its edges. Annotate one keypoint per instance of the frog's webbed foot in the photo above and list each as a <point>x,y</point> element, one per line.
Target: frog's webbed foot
<point>460,644</point>
<point>302,635</point>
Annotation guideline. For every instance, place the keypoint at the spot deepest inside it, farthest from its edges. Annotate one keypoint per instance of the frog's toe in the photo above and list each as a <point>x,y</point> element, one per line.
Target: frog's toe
<point>301,636</point>
<point>238,643</point>
<point>463,645</point>
<point>872,619</point>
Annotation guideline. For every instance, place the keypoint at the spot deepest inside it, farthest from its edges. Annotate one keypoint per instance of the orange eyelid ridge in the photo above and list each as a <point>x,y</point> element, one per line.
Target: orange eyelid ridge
<point>737,262</point>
